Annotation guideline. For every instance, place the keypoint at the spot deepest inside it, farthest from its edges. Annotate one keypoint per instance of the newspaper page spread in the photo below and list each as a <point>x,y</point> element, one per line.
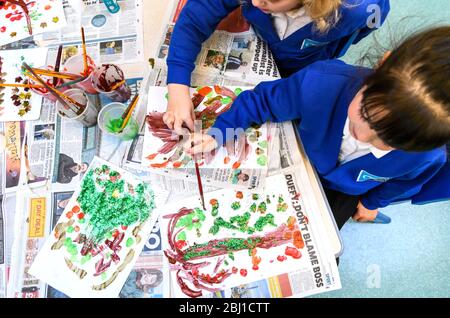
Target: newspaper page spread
<point>116,38</point>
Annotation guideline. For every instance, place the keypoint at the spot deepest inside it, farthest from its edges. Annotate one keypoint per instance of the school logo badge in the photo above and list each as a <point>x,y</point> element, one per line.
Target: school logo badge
<point>366,176</point>
<point>311,43</point>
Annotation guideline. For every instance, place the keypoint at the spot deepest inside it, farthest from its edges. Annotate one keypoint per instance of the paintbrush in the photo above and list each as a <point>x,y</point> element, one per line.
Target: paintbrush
<point>57,64</point>
<point>128,112</point>
<point>117,85</point>
<point>72,82</point>
<point>56,74</point>
<point>83,42</point>
<point>22,85</point>
<point>53,91</point>
<point>199,180</point>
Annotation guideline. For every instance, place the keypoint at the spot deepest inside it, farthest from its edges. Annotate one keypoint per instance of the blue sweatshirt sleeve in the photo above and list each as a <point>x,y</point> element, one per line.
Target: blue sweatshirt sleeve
<point>275,101</point>
<point>197,21</point>
<point>402,188</point>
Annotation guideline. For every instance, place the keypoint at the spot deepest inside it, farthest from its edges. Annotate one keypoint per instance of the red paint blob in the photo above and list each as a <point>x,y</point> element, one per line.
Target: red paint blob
<point>76,209</point>
<point>293,252</point>
<point>243,272</point>
<point>234,270</point>
<point>255,267</point>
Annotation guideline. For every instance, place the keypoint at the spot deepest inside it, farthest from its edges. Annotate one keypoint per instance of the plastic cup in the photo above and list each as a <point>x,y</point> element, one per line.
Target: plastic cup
<point>110,121</point>
<point>75,65</point>
<point>106,77</point>
<point>87,116</point>
<point>49,80</point>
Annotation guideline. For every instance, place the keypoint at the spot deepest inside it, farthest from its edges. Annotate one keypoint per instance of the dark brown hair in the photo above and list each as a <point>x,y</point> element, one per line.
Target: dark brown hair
<point>407,99</point>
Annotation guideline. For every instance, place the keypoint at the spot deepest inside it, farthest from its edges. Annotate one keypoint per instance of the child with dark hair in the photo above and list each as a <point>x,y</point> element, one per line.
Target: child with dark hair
<point>297,32</point>
<point>374,136</point>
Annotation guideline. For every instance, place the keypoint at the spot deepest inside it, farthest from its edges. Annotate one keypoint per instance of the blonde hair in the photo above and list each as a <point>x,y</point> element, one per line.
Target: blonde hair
<point>324,13</point>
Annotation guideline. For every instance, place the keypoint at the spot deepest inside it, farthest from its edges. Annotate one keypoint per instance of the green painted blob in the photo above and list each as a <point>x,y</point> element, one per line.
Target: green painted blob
<point>236,205</point>
<point>129,242</point>
<point>226,100</point>
<point>262,160</point>
<point>263,144</point>
<point>181,236</point>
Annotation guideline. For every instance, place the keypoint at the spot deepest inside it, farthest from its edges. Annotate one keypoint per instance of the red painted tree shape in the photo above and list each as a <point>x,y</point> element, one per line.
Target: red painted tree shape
<point>17,15</point>
<point>214,108</point>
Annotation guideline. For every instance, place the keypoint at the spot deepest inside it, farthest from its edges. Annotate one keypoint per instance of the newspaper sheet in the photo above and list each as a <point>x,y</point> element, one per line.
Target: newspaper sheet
<point>277,232</point>
<point>110,38</point>
<point>320,275</point>
<point>234,55</point>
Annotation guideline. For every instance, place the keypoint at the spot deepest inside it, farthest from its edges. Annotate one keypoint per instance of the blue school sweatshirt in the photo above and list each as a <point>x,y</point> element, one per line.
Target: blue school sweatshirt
<point>319,97</point>
<point>199,19</point>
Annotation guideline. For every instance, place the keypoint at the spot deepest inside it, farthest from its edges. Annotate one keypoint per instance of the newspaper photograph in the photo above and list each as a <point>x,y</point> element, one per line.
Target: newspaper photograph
<point>14,134</point>
<point>110,37</point>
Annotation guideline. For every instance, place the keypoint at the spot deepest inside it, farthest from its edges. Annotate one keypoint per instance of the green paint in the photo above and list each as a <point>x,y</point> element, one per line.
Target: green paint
<point>129,242</point>
<point>282,206</point>
<point>268,200</point>
<point>114,125</point>
<point>104,276</point>
<point>181,236</point>
<point>226,100</point>
<point>85,258</point>
<point>231,255</point>
<point>70,229</point>
<point>107,211</point>
<point>241,223</point>
<point>264,221</point>
<point>262,207</point>
<point>82,221</point>
<point>263,144</point>
<point>255,196</point>
<point>262,160</point>
<point>193,220</point>
<point>236,205</point>
<point>253,208</point>
<point>237,91</point>
<point>190,255</point>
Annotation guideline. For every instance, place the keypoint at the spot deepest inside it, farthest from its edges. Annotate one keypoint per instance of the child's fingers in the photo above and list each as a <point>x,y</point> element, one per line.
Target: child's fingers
<point>189,123</point>
<point>178,126</point>
<point>169,119</point>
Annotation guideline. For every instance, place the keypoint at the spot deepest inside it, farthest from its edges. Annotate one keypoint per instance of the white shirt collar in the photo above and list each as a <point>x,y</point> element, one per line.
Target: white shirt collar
<point>378,153</point>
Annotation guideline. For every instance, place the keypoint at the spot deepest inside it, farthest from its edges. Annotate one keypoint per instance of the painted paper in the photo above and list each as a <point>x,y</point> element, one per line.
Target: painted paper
<point>103,229</point>
<point>163,149</point>
<point>18,103</point>
<point>239,239</point>
<point>20,19</point>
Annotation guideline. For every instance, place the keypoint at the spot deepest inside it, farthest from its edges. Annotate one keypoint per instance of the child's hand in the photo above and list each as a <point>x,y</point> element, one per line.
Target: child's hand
<point>180,109</point>
<point>200,144</point>
<point>363,214</point>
